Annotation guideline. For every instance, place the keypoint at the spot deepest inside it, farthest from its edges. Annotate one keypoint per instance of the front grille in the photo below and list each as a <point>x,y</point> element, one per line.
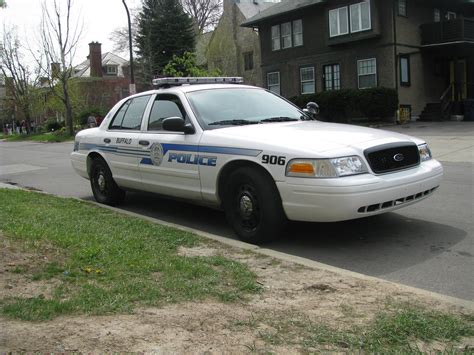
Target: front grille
<point>392,157</point>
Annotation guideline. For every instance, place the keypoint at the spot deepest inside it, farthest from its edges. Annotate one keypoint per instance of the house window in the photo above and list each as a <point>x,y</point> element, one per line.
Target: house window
<point>286,39</point>
<point>248,61</point>
<point>332,77</point>
<point>367,73</point>
<point>360,17</point>
<point>273,82</point>
<point>308,85</point>
<point>437,15</point>
<point>405,79</point>
<point>402,8</point>
<point>276,38</point>
<point>111,70</point>
<point>298,33</point>
<point>287,35</point>
<point>338,22</point>
<point>451,15</point>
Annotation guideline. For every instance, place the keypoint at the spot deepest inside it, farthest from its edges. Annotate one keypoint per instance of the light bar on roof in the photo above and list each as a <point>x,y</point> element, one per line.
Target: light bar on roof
<point>192,80</point>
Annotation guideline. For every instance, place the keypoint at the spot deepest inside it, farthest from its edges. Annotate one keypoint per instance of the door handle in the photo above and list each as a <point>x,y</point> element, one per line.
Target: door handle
<point>144,143</point>
<point>107,140</point>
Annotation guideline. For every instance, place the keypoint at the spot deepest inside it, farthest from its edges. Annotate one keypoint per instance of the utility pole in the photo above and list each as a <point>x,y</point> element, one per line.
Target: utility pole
<point>132,87</point>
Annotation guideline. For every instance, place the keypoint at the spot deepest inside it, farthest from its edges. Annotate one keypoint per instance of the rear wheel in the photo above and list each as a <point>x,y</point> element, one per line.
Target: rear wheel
<point>103,186</point>
<point>253,206</point>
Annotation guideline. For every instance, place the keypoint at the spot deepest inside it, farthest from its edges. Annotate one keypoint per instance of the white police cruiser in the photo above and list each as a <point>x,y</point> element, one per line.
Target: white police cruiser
<point>252,153</point>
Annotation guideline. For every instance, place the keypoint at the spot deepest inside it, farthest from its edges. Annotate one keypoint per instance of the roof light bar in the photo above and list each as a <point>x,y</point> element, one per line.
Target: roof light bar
<point>166,82</point>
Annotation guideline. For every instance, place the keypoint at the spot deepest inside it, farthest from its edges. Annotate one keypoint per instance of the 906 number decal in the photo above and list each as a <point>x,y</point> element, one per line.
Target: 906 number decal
<point>273,160</point>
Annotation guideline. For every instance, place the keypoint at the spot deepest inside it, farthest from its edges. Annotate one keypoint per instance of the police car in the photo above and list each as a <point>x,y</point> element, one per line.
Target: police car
<point>217,142</point>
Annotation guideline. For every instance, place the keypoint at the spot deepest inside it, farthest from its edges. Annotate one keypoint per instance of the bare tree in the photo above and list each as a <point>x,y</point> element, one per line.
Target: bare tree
<point>119,36</point>
<point>20,81</point>
<point>206,13</point>
<point>59,38</point>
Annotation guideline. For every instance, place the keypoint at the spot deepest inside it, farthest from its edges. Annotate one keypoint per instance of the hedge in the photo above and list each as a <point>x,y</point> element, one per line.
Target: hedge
<point>343,105</point>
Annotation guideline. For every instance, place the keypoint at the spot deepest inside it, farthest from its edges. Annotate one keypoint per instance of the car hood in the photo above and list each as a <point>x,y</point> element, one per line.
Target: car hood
<point>304,136</point>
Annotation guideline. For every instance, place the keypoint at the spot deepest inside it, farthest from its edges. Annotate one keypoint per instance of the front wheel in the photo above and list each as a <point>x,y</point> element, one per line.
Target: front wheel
<point>103,186</point>
<point>253,206</point>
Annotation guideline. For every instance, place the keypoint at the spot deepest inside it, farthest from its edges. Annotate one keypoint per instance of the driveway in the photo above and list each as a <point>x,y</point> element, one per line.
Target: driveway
<point>429,245</point>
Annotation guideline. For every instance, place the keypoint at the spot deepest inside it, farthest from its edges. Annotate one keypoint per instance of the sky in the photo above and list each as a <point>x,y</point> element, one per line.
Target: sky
<point>100,18</point>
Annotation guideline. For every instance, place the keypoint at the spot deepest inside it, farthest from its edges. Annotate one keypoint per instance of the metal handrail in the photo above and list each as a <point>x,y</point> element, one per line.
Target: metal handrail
<point>448,90</point>
<point>446,101</point>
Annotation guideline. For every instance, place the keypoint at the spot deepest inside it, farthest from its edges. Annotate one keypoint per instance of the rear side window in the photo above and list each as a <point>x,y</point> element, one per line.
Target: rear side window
<point>130,115</point>
<point>165,106</point>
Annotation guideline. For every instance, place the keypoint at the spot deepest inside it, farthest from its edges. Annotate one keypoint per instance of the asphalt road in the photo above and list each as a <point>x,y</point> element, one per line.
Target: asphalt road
<point>429,245</point>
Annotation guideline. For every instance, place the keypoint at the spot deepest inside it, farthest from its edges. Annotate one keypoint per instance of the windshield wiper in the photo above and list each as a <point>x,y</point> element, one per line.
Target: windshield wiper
<point>232,123</point>
<point>279,119</point>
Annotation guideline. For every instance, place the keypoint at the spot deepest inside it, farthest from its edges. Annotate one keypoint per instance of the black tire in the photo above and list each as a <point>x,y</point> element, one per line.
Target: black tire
<point>253,206</point>
<point>103,186</point>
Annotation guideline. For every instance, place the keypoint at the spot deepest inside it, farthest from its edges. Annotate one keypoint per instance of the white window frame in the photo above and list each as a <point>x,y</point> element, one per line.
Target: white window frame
<point>297,33</point>
<point>437,15</point>
<point>289,35</point>
<point>269,87</point>
<point>339,33</point>
<point>449,13</point>
<point>405,8</point>
<point>359,75</point>
<point>307,81</point>
<point>112,69</point>
<point>276,37</point>
<point>359,5</point>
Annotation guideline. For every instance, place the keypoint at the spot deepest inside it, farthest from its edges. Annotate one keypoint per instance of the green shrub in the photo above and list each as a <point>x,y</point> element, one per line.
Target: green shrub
<point>53,125</point>
<point>342,105</point>
<point>94,111</point>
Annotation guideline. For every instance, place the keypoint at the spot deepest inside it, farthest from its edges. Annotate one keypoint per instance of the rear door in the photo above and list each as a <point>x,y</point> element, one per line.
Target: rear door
<point>172,164</point>
<point>120,142</point>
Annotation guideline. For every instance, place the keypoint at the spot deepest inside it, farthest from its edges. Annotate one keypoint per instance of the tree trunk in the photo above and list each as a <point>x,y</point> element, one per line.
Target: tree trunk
<point>68,105</point>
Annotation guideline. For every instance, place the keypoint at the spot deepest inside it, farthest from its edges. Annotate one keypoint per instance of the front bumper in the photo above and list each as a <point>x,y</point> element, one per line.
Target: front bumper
<point>332,200</point>
<point>79,163</point>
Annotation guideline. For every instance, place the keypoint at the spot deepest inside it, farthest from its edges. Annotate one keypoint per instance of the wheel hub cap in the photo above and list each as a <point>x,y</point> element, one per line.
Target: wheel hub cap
<point>246,206</point>
<point>101,182</point>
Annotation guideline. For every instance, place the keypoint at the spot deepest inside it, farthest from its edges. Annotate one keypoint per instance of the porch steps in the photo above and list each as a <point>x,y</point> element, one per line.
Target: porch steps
<point>432,112</point>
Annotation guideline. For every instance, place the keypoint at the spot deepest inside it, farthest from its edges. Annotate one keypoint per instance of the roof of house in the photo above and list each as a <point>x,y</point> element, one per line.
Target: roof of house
<point>250,9</point>
<point>108,58</point>
<point>277,9</point>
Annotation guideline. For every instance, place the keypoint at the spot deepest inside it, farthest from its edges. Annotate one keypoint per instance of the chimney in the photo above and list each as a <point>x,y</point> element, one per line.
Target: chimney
<point>95,59</point>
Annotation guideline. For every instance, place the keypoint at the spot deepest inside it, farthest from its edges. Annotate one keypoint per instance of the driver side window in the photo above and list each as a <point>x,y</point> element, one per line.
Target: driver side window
<point>165,106</point>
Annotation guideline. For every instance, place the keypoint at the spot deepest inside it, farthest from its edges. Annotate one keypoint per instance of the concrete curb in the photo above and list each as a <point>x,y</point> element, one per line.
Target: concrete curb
<point>468,305</point>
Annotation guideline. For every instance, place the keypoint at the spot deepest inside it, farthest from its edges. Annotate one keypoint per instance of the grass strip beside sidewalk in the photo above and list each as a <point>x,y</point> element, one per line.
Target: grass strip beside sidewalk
<point>53,137</point>
<point>101,262</point>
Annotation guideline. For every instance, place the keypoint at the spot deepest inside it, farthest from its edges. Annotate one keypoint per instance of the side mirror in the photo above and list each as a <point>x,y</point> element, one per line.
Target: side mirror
<point>177,124</point>
<point>312,108</point>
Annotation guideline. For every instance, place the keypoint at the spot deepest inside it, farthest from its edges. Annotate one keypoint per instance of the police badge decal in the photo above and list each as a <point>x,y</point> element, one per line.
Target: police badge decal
<point>156,153</point>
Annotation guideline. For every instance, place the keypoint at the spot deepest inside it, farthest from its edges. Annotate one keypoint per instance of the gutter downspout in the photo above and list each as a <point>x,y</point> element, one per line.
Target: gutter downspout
<point>395,44</point>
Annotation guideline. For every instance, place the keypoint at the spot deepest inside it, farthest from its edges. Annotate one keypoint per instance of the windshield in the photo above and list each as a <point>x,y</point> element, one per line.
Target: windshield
<point>241,106</point>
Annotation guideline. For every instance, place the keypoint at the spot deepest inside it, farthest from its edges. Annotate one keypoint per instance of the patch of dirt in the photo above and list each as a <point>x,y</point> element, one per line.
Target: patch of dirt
<point>211,327</point>
<point>199,251</point>
<point>14,262</point>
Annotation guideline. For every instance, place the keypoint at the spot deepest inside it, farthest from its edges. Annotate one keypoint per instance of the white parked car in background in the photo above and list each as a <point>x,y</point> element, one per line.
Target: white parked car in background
<point>252,153</point>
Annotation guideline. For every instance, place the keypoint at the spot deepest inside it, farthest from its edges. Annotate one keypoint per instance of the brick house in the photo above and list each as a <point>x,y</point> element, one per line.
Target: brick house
<point>423,49</point>
<point>103,78</point>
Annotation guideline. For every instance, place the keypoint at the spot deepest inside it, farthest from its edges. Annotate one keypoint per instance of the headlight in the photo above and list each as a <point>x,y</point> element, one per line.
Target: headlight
<point>425,152</point>
<point>326,168</point>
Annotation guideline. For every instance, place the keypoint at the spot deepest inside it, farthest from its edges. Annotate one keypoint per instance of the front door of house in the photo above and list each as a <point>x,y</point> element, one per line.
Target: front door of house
<point>458,78</point>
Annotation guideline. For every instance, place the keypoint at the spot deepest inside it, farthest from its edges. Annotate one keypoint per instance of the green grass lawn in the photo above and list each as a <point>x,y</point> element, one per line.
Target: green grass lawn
<point>41,137</point>
<point>104,262</point>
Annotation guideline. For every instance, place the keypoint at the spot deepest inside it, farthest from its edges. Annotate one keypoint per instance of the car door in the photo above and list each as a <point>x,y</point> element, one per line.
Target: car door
<point>120,142</point>
<point>171,165</point>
